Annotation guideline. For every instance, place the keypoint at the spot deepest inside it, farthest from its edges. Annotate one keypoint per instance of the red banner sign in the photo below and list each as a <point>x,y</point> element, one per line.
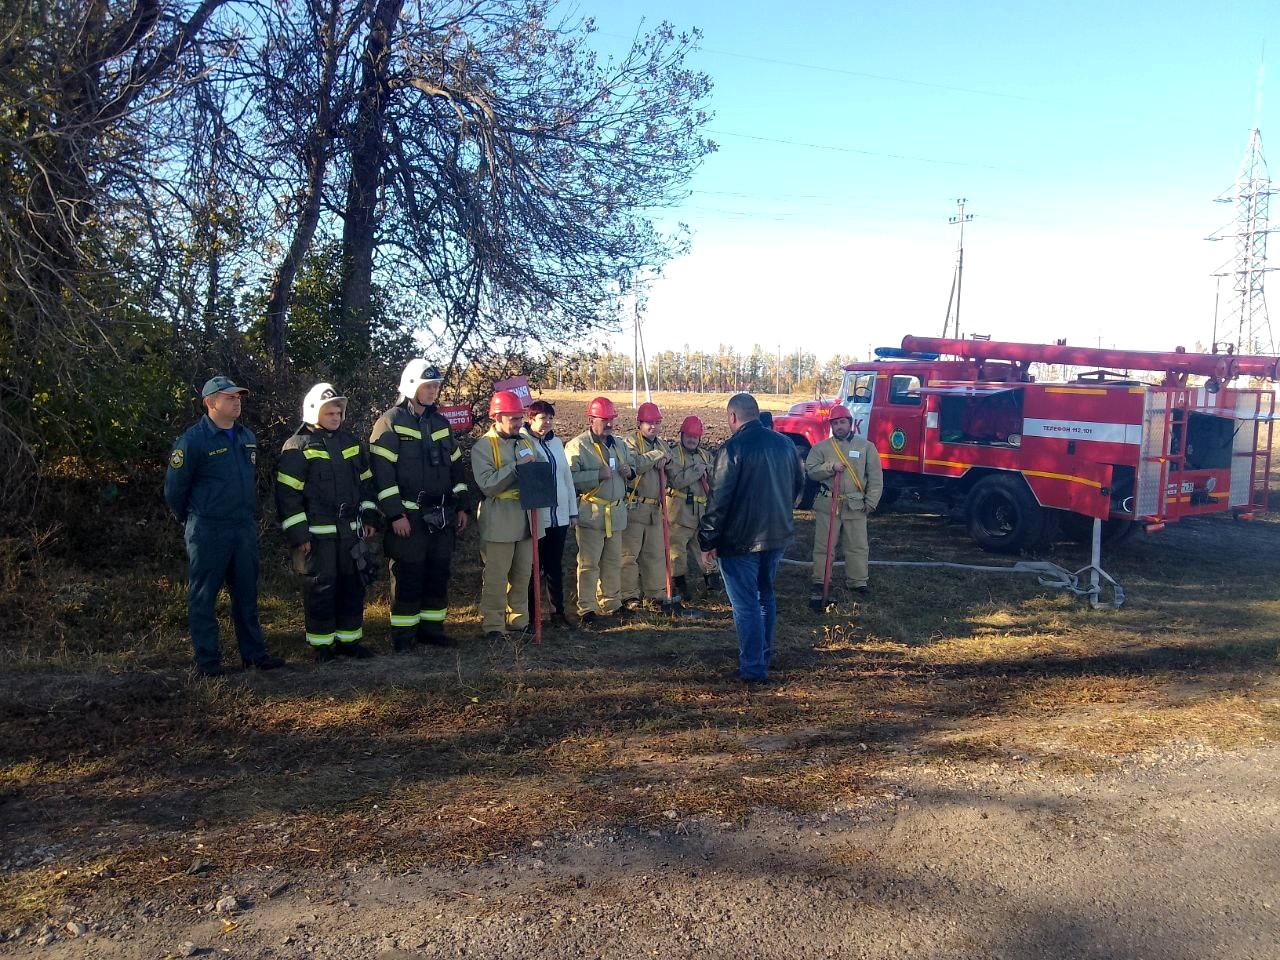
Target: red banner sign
<point>459,417</point>
<point>517,385</point>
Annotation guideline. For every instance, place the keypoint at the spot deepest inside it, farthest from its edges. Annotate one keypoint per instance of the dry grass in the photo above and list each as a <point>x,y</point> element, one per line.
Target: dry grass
<point>118,772</point>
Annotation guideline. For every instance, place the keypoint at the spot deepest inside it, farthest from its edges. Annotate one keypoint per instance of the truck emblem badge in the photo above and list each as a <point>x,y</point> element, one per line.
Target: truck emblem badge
<point>897,439</point>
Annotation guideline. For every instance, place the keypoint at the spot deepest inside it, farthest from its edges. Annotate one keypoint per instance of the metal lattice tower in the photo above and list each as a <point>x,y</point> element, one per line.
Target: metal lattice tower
<point>1247,312</point>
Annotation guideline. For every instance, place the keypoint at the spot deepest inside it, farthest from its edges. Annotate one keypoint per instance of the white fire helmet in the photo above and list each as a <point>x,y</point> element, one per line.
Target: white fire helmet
<point>315,400</point>
<point>416,373</point>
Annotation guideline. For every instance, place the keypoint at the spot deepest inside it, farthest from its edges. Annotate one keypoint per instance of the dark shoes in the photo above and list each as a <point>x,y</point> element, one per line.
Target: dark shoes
<point>353,649</point>
<point>402,645</point>
<point>559,621</point>
<point>755,681</point>
<point>596,621</point>
<point>325,654</point>
<point>436,640</point>
<point>264,662</point>
<point>816,603</point>
<point>495,636</point>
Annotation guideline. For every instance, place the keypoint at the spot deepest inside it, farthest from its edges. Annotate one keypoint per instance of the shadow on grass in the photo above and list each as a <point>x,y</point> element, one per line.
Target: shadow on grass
<point>464,752</point>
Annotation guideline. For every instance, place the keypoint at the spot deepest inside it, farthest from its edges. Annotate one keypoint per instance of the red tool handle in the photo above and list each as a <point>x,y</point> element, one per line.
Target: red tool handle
<point>666,527</point>
<point>831,542</point>
<point>537,579</point>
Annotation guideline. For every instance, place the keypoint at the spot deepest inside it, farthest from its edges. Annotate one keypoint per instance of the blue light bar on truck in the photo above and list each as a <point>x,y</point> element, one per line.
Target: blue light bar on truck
<point>897,353</point>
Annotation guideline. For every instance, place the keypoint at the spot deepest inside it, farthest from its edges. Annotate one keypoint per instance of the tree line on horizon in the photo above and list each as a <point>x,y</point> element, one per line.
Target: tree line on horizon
<point>724,370</point>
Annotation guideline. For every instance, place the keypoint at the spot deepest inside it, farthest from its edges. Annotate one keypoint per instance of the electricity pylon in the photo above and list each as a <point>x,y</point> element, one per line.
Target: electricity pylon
<point>1247,312</point>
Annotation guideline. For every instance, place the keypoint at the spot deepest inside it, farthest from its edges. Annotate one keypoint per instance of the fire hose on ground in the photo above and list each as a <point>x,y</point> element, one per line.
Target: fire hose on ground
<point>1087,582</point>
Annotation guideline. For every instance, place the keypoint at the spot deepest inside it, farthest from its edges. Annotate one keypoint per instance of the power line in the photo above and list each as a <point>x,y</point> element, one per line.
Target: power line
<point>871,153</point>
<point>823,68</point>
<point>889,79</point>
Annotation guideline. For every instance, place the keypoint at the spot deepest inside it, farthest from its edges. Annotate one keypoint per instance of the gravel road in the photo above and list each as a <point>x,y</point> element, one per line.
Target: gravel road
<point>1172,857</point>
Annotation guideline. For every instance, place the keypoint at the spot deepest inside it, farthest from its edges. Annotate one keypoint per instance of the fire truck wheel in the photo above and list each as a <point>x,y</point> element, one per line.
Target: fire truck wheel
<point>1003,515</point>
<point>810,490</point>
<point>889,497</point>
<point>807,495</point>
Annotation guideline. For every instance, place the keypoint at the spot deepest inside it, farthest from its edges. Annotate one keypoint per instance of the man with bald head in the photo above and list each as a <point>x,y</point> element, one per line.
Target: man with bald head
<point>747,526</point>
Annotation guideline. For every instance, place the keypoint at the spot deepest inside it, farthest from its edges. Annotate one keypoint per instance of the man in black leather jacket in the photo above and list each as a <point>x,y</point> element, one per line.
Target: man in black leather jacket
<point>748,525</point>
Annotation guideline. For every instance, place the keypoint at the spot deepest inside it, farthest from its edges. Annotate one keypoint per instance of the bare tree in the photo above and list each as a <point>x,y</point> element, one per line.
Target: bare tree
<point>80,85</point>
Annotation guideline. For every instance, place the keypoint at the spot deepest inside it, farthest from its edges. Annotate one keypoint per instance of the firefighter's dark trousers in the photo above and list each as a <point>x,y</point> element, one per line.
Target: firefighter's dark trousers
<point>223,553</point>
<point>551,560</point>
<point>420,590</point>
<point>332,592</point>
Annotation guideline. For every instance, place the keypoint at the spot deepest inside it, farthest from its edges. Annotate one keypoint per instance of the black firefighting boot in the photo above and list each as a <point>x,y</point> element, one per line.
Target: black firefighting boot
<point>432,635</point>
<point>816,603</point>
<point>680,585</point>
<point>354,649</point>
<point>325,654</point>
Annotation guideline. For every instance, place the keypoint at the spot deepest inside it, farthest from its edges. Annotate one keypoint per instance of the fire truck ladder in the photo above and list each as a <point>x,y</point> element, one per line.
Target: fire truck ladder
<point>1168,462</point>
<point>1260,451</point>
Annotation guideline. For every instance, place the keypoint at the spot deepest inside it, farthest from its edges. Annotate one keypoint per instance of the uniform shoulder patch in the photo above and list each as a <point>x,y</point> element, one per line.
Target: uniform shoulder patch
<point>175,459</point>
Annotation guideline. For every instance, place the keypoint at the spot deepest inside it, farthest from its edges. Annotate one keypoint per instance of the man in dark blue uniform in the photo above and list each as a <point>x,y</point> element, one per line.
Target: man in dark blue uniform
<point>211,488</point>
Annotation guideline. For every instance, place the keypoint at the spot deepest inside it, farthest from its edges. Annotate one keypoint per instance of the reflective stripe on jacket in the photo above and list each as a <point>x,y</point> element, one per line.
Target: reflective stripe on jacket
<point>323,485</point>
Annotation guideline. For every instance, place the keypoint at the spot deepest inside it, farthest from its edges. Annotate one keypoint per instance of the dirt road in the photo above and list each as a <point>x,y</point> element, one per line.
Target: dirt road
<point>1174,856</point>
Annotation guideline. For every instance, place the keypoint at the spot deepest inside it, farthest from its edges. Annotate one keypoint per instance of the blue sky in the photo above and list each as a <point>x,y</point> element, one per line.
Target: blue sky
<point>1090,140</point>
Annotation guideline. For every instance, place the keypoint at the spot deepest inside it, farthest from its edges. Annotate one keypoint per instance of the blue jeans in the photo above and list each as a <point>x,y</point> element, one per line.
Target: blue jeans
<point>748,579</point>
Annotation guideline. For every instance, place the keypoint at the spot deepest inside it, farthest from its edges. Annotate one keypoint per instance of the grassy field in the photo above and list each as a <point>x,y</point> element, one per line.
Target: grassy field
<point>123,777</point>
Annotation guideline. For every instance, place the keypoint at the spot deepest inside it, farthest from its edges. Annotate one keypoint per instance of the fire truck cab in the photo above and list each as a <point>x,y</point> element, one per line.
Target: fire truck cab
<point>1014,458</point>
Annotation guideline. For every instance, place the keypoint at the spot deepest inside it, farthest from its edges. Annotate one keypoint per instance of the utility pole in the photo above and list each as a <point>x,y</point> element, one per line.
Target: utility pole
<point>1248,268</point>
<point>957,278</point>
<point>639,362</point>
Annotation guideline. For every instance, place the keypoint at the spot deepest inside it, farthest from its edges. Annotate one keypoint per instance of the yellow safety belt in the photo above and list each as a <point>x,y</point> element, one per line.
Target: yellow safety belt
<point>590,495</point>
<point>853,473</point>
<point>497,465</point>
<point>676,493</point>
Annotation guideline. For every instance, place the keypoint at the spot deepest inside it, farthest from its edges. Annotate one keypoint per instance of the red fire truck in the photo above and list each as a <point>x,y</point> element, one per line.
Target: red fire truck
<point>965,422</point>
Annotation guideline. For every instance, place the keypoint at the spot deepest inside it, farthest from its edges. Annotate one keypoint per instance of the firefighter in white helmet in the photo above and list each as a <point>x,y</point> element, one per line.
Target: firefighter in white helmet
<point>644,568</point>
<point>857,462</point>
<point>324,494</point>
<point>421,487</point>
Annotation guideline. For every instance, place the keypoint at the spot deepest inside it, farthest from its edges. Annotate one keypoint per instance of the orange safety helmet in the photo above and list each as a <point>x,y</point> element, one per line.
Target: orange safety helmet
<point>692,427</point>
<point>839,412</point>
<point>505,401</point>
<point>603,408</point>
<point>648,413</point>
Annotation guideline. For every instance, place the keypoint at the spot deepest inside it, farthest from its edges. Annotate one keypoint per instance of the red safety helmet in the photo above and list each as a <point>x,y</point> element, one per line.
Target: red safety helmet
<point>692,427</point>
<point>648,413</point>
<point>505,401</point>
<point>839,412</point>
<point>603,408</point>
